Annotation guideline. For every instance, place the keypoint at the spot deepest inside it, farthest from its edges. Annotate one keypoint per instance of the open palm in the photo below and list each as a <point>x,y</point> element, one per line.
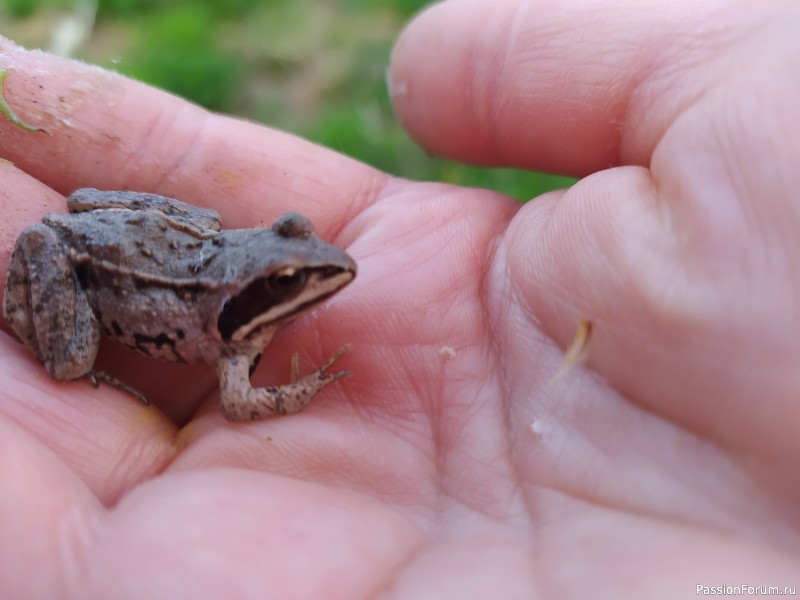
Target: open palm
<point>449,464</point>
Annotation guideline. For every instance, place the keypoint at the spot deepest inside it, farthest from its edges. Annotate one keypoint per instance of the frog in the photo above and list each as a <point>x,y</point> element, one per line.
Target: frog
<point>162,277</point>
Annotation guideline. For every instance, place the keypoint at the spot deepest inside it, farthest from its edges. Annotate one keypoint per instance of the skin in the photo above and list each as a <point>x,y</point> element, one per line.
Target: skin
<point>447,466</point>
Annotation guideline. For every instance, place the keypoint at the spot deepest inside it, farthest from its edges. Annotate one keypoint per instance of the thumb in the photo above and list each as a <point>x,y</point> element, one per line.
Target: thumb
<point>684,262</point>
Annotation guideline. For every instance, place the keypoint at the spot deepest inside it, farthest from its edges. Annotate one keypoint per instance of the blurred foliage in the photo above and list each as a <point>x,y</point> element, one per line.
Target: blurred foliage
<point>176,50</point>
<point>20,9</point>
<point>312,67</point>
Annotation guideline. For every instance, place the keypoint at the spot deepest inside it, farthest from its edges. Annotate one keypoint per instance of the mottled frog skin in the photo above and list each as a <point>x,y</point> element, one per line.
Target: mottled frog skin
<point>160,276</point>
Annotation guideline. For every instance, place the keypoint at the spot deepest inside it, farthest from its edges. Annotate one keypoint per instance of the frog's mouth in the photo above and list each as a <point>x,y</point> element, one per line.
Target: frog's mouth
<point>279,297</point>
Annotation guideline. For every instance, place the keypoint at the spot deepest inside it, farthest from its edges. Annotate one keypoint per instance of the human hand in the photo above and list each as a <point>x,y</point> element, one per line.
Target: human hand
<point>670,452</point>
<point>672,458</point>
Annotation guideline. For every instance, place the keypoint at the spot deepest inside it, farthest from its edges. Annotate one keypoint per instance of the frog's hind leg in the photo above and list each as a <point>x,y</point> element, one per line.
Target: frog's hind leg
<point>46,306</point>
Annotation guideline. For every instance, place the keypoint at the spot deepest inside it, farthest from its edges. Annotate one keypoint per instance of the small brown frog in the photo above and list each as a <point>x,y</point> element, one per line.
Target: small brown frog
<point>159,276</point>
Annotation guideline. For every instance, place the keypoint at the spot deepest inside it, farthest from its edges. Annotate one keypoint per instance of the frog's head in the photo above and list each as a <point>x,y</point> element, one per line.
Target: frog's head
<point>283,272</point>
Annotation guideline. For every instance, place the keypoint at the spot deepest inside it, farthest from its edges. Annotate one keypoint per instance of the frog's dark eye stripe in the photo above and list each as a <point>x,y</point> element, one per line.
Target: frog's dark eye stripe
<point>256,299</point>
<point>278,296</point>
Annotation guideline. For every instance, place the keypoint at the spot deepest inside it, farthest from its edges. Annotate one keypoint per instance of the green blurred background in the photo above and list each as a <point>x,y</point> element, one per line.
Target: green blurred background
<point>313,67</point>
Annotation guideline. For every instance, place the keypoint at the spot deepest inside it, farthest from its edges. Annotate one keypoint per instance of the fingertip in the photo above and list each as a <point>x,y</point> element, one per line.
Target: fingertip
<point>571,87</point>
<point>430,80</point>
<point>507,83</point>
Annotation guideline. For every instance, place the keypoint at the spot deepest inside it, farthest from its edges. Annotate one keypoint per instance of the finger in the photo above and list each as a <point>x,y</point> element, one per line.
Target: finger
<point>107,131</point>
<point>687,336</point>
<point>571,87</point>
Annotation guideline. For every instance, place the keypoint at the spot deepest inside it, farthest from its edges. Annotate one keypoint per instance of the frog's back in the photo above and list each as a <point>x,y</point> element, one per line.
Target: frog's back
<point>140,278</point>
<point>144,243</point>
<point>189,215</point>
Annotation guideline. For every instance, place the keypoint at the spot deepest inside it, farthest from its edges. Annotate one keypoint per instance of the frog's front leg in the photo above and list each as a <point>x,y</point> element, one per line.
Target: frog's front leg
<point>240,401</point>
<point>46,306</point>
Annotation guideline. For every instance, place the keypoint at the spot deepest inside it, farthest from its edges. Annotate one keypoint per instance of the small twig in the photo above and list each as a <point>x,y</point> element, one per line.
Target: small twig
<point>576,353</point>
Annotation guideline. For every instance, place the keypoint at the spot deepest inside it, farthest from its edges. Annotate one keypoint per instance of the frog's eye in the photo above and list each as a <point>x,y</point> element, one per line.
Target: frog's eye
<point>293,225</point>
<point>288,280</point>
